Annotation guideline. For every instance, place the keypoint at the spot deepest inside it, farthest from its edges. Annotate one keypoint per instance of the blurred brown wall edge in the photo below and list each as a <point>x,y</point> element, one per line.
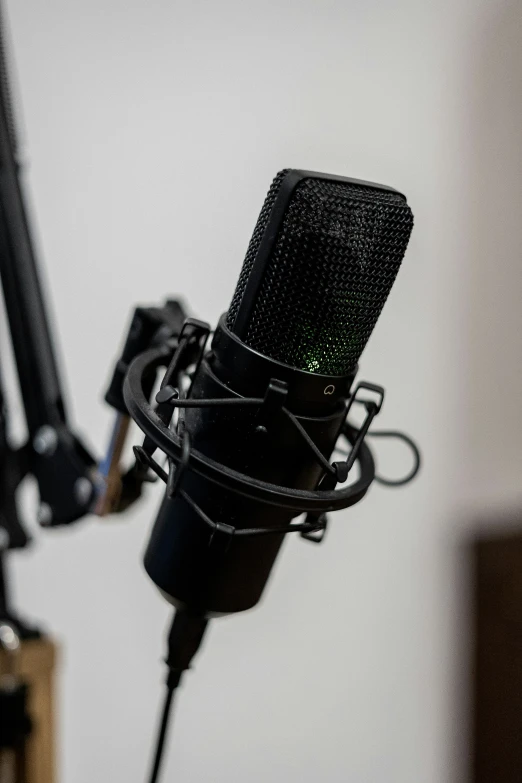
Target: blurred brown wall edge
<point>497,657</point>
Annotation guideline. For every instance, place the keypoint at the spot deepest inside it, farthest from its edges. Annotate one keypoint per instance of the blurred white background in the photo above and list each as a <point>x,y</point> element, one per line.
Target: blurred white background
<point>152,132</point>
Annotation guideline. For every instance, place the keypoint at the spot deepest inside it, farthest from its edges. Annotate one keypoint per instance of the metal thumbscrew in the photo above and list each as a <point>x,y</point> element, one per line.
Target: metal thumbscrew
<point>9,639</point>
<point>45,441</point>
<point>82,491</point>
<point>45,515</point>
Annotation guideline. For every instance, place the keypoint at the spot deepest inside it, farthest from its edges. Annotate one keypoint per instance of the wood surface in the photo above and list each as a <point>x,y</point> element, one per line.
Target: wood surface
<point>36,663</point>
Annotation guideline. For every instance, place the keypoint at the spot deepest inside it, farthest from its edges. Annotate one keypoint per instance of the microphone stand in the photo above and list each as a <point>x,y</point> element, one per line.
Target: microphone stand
<point>61,465</point>
<point>52,454</point>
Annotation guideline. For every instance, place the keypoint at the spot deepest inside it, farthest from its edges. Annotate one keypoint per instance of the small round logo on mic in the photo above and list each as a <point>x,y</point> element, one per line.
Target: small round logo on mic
<point>329,389</point>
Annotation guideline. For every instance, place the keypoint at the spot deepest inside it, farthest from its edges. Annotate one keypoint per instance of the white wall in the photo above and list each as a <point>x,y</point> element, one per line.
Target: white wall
<point>154,130</point>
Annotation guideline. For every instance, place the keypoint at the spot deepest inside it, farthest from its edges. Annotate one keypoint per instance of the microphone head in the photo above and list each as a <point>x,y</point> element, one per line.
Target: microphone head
<point>319,267</point>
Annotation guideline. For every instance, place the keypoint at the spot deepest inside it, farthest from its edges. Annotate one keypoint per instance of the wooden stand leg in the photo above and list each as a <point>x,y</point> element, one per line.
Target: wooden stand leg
<point>36,666</point>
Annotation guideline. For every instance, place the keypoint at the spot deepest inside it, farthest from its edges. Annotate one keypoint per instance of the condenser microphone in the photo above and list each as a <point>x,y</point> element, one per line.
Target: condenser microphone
<point>269,398</point>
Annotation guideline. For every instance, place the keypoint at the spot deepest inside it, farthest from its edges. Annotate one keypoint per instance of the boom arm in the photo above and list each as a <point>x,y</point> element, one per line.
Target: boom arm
<point>61,465</point>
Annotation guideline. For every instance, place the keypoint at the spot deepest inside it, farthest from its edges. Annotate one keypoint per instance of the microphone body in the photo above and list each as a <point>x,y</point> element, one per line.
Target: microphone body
<point>216,574</point>
<point>319,267</point>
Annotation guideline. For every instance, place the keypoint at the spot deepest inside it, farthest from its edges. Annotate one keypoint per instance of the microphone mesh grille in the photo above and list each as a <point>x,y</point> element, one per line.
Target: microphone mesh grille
<point>338,250</point>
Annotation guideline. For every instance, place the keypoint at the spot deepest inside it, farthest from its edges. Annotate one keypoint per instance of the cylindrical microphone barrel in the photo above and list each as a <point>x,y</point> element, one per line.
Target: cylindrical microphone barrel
<point>319,267</point>
<point>216,572</point>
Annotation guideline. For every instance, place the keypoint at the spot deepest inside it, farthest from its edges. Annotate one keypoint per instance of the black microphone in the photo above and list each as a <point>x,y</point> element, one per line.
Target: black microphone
<point>275,387</point>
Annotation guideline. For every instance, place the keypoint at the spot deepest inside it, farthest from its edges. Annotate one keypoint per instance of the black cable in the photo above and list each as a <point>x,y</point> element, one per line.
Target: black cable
<point>160,743</point>
<point>416,457</point>
<point>184,640</point>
